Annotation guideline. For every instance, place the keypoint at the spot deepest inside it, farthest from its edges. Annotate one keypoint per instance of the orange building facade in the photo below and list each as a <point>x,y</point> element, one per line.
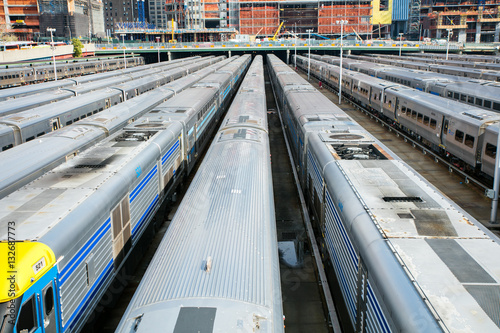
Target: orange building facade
<point>20,17</point>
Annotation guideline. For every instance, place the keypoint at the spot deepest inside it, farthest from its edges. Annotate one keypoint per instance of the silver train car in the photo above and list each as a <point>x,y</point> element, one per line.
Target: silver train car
<point>27,102</point>
<point>404,257</point>
<point>455,130</point>
<point>458,62</point>
<point>224,274</point>
<point>40,156</point>
<point>77,225</point>
<point>17,92</point>
<point>10,77</point>
<point>443,67</point>
<point>24,126</point>
<point>479,93</point>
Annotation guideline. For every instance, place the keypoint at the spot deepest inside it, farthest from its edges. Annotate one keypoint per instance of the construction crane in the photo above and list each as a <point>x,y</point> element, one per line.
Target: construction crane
<point>172,40</point>
<point>277,32</point>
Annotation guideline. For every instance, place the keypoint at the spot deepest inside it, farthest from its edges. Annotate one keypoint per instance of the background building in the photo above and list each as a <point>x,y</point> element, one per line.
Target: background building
<point>19,17</point>
<point>468,21</point>
<point>72,18</point>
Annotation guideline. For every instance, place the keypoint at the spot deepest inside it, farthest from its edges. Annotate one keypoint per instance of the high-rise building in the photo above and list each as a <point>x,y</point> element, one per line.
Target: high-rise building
<point>117,11</point>
<point>72,18</point>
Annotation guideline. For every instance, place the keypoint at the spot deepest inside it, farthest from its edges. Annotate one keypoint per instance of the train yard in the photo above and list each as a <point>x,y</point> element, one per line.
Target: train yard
<point>289,213</point>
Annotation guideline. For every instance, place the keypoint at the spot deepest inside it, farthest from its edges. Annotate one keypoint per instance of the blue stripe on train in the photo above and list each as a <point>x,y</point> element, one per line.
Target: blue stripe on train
<point>87,247</point>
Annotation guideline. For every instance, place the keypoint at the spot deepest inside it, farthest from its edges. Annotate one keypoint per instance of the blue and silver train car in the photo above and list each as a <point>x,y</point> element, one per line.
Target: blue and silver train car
<point>76,225</point>
<point>403,257</point>
<point>217,267</point>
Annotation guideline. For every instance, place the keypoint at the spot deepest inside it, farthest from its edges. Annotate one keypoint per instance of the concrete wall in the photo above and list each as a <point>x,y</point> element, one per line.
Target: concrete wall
<point>35,54</point>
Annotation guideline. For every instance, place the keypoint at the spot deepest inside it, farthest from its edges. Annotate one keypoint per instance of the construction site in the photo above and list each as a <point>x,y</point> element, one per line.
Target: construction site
<point>463,21</point>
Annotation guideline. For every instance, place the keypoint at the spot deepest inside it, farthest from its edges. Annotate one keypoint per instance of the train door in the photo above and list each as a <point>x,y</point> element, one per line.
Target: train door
<point>445,131</point>
<point>47,305</point>
<point>55,124</point>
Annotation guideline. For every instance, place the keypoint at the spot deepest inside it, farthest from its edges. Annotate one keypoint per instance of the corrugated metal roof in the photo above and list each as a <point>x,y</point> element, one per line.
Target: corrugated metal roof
<point>400,10</point>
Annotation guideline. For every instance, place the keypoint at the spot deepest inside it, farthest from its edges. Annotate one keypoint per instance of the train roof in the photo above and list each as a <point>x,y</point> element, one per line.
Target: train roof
<point>440,247</point>
<point>100,84</point>
<point>26,102</point>
<point>15,92</point>
<point>48,111</point>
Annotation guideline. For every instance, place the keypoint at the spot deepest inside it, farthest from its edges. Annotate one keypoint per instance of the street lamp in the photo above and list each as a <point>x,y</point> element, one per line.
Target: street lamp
<point>295,45</point>
<point>309,44</point>
<point>158,44</point>
<point>400,42</point>
<point>51,30</point>
<point>123,41</point>
<point>341,22</point>
<point>450,33</point>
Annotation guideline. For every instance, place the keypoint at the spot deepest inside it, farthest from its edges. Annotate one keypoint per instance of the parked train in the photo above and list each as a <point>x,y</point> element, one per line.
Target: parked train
<point>24,126</point>
<point>464,57</point>
<point>83,86</point>
<point>440,61</point>
<point>224,274</point>
<point>405,258</point>
<point>481,93</point>
<point>10,77</point>
<point>475,73</point>
<point>17,92</point>
<point>77,225</point>
<point>40,156</point>
<point>464,134</point>
<point>35,63</point>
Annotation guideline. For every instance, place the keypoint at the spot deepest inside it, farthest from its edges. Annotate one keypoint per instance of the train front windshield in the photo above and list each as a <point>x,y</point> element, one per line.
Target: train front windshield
<point>8,312</point>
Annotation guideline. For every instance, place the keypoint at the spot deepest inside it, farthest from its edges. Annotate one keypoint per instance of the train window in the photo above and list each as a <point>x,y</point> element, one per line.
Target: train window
<point>456,95</point>
<point>459,136</point>
<point>491,150</point>
<point>403,109</point>
<point>419,117</point>
<point>426,120</point>
<point>479,101</point>
<point>470,99</point>
<point>40,134</point>
<point>414,114</point>
<point>496,106</point>
<point>487,104</point>
<point>450,94</point>
<point>30,138</point>
<point>385,98</point>
<point>27,321</point>
<point>469,140</point>
<point>463,97</point>
<point>7,147</point>
<point>69,122</point>
<point>49,300</point>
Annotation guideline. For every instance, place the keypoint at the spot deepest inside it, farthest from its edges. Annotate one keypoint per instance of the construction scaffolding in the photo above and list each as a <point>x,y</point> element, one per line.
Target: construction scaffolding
<point>469,21</point>
<point>264,17</point>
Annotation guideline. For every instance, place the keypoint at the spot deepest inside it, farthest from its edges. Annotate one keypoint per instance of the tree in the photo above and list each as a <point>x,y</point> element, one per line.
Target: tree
<point>77,47</point>
<point>6,36</point>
